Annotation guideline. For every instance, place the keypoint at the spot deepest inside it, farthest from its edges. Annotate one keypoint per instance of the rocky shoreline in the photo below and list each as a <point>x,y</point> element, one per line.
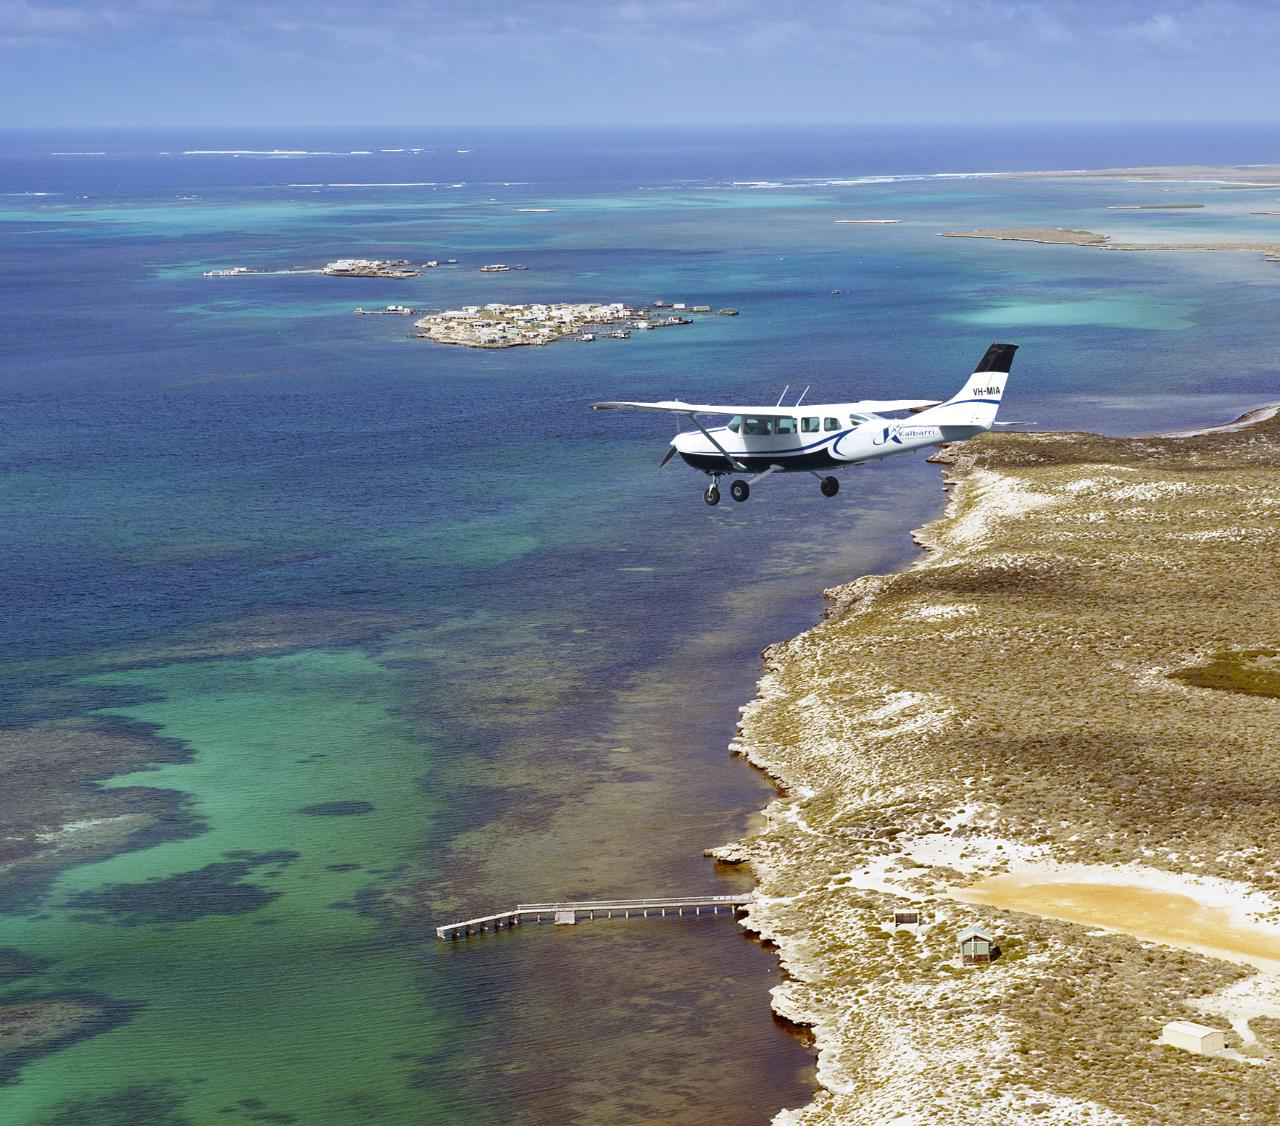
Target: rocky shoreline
<point>1080,676</point>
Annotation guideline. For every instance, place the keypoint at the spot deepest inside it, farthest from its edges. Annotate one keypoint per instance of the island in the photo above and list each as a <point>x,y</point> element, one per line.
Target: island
<point>1027,820</point>
<point>343,268</point>
<point>500,325</point>
<point>1063,236</point>
<point>370,268</point>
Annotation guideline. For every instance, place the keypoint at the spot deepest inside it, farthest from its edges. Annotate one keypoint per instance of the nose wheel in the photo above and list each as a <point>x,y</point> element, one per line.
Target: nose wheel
<point>830,486</point>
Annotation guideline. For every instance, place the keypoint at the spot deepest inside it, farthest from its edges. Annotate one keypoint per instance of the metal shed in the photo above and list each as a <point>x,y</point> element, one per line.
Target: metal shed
<point>976,945</point>
<point>1191,1037</point>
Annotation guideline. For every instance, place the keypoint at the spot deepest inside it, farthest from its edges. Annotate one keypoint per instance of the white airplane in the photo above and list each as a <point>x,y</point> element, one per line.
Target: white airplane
<point>821,436</point>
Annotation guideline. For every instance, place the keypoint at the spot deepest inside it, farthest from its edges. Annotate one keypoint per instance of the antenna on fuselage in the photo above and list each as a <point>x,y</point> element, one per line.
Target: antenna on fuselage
<point>783,395</point>
<point>802,395</point>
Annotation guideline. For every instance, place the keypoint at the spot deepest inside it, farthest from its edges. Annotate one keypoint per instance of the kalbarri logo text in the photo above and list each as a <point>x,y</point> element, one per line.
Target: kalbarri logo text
<point>896,434</point>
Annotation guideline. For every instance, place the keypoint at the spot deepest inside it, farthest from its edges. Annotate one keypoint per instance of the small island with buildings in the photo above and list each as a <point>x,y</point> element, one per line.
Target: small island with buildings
<point>501,325</point>
<point>347,268</point>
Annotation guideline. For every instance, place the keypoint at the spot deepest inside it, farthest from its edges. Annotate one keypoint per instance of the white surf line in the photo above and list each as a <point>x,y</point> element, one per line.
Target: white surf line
<point>1249,418</point>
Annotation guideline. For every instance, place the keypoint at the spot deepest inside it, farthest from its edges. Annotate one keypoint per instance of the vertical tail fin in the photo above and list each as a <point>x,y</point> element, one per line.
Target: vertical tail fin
<point>976,403</point>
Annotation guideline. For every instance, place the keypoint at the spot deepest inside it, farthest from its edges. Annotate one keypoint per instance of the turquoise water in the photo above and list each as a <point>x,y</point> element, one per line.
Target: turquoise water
<point>223,937</point>
<point>409,634</point>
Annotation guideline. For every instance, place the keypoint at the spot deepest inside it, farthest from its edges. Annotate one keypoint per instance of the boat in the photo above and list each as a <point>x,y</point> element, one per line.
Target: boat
<point>620,334</point>
<point>587,337</point>
<point>494,268</point>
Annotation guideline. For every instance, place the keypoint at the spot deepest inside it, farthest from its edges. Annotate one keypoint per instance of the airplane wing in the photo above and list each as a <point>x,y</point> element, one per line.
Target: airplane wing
<point>674,406</point>
<point>877,406</point>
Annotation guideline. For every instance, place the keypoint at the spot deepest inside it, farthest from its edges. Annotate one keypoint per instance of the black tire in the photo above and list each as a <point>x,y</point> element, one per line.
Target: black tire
<point>712,495</point>
<point>739,490</point>
<point>830,486</point>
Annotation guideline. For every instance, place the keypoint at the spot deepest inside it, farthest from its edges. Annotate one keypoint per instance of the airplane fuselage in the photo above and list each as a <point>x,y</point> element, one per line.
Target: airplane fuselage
<point>829,438</point>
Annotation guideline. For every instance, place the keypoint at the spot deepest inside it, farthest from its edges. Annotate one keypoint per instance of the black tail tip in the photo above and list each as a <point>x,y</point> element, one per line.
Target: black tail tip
<point>999,357</point>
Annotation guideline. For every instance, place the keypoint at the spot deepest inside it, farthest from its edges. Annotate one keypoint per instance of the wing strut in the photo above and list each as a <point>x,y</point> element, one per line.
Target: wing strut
<point>707,434</point>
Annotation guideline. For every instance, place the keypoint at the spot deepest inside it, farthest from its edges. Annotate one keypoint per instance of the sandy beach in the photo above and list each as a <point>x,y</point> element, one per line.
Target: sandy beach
<point>1057,726</point>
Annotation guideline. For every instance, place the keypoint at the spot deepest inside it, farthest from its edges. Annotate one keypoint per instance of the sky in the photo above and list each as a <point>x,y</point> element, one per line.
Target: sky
<point>515,62</point>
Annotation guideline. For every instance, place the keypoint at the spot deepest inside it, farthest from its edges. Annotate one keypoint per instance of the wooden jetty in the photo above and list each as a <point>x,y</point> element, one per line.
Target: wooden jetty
<point>571,912</point>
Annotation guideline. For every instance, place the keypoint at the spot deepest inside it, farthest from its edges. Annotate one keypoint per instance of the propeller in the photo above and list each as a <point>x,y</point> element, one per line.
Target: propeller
<point>671,452</point>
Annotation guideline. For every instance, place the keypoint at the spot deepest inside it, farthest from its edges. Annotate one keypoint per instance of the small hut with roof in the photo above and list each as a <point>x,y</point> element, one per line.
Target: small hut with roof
<point>977,945</point>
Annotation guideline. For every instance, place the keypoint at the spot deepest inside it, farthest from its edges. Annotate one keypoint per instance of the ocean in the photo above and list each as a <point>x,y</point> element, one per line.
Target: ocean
<point>317,635</point>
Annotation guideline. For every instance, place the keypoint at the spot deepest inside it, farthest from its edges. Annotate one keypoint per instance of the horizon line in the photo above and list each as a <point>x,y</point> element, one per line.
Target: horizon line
<point>666,125</point>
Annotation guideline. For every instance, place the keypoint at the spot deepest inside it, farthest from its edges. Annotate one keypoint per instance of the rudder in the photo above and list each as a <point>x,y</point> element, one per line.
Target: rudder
<point>976,403</point>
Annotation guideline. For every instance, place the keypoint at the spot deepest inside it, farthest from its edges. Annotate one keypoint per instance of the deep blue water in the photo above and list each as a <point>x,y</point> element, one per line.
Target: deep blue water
<point>501,620</point>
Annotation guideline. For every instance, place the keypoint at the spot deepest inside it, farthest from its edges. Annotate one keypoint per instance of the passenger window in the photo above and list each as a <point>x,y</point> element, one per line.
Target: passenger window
<point>734,423</point>
<point>832,424</point>
<point>757,426</point>
<point>809,425</point>
<point>786,426</point>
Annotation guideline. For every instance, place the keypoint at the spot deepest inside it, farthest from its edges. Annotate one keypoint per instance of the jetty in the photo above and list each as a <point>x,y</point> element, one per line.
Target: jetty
<point>570,912</point>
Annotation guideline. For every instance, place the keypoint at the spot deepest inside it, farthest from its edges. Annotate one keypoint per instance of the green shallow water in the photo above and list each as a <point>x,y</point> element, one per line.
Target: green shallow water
<point>287,994</point>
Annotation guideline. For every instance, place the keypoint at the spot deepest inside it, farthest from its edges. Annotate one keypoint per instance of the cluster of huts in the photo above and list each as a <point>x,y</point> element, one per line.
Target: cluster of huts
<point>977,943</point>
<point>978,946</point>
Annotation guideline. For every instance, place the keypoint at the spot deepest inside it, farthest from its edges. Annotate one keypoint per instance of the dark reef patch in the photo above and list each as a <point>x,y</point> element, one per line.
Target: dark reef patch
<point>157,1104</point>
<point>16,964</point>
<point>215,889</point>
<point>55,815</point>
<point>338,808</point>
<point>37,1024</point>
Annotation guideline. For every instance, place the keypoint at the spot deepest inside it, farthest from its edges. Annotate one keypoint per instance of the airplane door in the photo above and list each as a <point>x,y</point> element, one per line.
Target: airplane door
<point>786,438</point>
<point>757,436</point>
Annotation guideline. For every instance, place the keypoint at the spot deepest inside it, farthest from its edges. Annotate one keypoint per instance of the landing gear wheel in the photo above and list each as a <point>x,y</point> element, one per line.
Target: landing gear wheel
<point>712,495</point>
<point>830,486</point>
<point>739,490</point>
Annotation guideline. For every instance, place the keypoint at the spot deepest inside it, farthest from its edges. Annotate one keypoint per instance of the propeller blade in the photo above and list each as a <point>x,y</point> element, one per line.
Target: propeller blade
<point>671,452</point>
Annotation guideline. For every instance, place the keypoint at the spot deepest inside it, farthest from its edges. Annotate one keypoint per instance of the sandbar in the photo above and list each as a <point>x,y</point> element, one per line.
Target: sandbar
<point>1062,236</point>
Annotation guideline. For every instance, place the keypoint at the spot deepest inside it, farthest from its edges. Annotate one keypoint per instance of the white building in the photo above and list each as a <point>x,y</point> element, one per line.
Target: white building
<point>1191,1037</point>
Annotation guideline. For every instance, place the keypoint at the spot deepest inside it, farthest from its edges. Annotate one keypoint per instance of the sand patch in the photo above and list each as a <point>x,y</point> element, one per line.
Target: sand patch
<point>1208,917</point>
